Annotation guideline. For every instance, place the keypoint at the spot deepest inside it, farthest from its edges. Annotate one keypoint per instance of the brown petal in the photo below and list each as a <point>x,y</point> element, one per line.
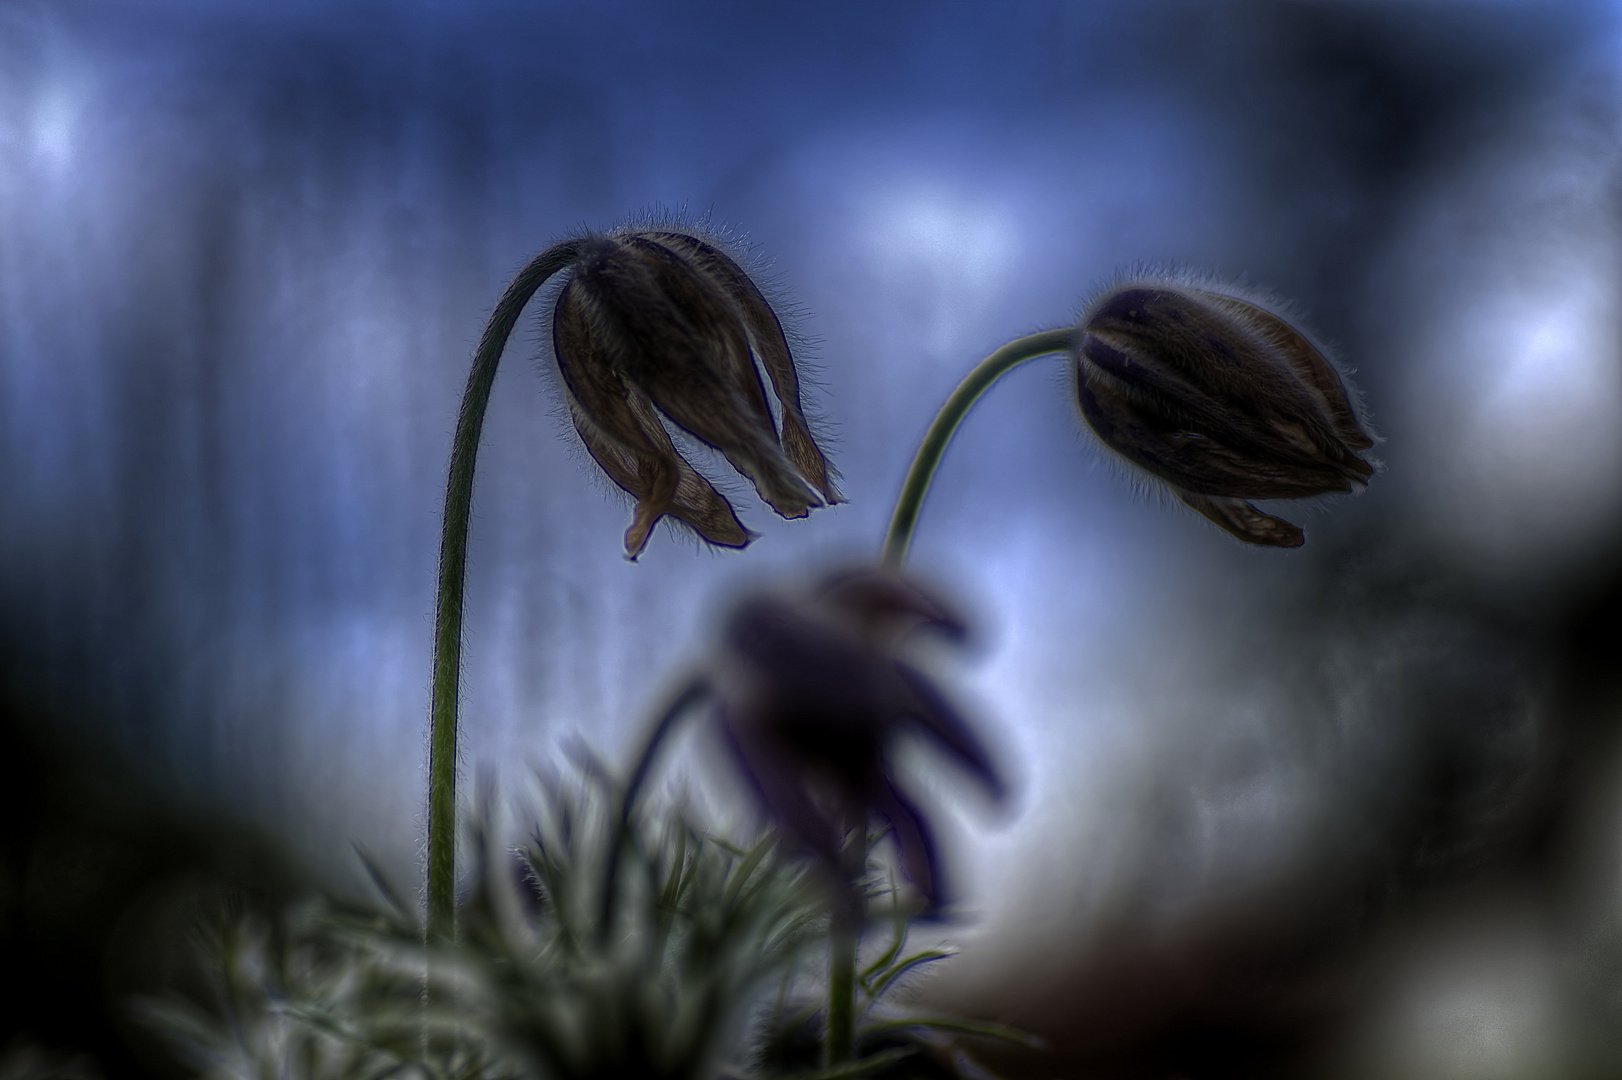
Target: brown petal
<point>1245,521</point>
<point>675,335</point>
<point>623,434</point>
<point>1225,369</point>
<point>1145,435</point>
<point>1213,373</point>
<point>1310,365</point>
<point>771,346</point>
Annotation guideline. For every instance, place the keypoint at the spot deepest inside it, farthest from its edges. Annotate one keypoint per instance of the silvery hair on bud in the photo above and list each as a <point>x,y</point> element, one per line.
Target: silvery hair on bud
<point>752,259</point>
<point>757,266</point>
<point>1179,278</point>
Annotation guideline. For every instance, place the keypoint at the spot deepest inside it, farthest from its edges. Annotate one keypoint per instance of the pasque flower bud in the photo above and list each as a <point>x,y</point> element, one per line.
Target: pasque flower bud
<point>1221,399</point>
<point>654,321</point>
<point>811,692</point>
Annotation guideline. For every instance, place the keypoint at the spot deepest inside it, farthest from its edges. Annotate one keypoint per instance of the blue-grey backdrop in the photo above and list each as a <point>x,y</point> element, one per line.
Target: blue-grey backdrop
<point>245,250</point>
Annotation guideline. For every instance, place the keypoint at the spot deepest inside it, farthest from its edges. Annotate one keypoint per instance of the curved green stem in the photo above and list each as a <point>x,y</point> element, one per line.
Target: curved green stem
<point>846,925</point>
<point>691,693</point>
<point>452,578</point>
<point>977,382</point>
<point>844,934</point>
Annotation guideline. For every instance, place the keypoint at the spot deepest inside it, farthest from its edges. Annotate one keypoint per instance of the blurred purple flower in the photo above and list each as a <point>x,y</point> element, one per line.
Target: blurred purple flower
<point>1222,400</point>
<point>810,691</point>
<point>657,322</point>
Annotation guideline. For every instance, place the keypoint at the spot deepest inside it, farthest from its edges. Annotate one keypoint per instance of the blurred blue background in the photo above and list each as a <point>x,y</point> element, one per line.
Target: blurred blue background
<point>245,251</point>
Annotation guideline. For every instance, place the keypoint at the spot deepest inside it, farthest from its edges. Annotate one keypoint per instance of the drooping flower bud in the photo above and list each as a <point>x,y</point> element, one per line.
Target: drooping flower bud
<point>1221,399</point>
<point>654,321</point>
<point>811,692</point>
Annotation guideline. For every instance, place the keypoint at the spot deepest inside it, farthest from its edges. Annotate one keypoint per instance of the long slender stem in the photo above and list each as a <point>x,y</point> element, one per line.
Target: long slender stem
<point>691,693</point>
<point>843,936</point>
<point>845,930</point>
<point>452,579</point>
<point>977,382</point>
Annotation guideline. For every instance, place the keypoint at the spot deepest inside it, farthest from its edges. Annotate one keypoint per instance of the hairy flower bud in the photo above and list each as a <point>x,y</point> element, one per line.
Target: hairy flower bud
<point>652,322</point>
<point>1221,399</point>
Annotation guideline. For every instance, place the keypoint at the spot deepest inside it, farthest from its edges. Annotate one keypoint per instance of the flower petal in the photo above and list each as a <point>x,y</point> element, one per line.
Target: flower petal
<point>808,697</point>
<point>1211,365</point>
<point>1310,365</point>
<point>1245,521</point>
<point>914,841</point>
<point>817,689</point>
<point>771,346</point>
<point>1149,435</point>
<point>621,431</point>
<point>670,331</point>
<point>941,719</point>
<point>777,777</point>
<point>880,601</point>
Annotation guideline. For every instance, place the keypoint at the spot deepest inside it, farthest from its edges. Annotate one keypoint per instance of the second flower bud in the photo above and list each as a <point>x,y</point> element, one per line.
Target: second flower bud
<point>1220,399</point>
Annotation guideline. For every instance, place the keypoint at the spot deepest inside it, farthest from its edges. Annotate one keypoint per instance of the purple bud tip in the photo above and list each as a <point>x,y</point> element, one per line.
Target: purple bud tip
<point>1130,306</point>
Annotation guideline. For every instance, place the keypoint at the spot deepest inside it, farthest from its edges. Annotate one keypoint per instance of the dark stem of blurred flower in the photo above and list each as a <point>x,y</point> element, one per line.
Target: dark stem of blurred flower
<point>691,693</point>
<point>977,382</point>
<point>844,936</point>
<point>452,580</point>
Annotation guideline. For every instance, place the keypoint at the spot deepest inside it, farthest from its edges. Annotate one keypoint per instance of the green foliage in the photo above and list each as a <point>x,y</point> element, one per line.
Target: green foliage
<point>291,1002</point>
<point>550,977</point>
<point>652,979</point>
<point>598,948</point>
<point>892,1041</point>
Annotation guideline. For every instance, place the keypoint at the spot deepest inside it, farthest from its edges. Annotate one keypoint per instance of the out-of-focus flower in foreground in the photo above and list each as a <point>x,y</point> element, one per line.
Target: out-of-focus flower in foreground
<point>654,322</point>
<point>810,689</point>
<point>1222,400</point>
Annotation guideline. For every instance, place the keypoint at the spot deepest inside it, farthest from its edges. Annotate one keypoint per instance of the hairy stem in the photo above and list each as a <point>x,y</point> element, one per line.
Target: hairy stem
<point>452,580</point>
<point>928,458</point>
